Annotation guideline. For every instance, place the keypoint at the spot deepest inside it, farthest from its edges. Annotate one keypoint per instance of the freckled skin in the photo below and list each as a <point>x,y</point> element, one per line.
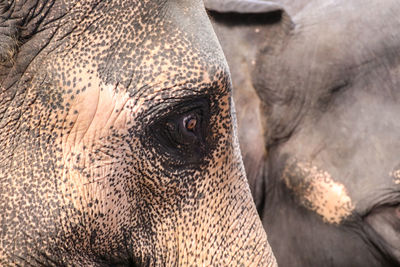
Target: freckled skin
<point>97,168</point>
<point>317,191</point>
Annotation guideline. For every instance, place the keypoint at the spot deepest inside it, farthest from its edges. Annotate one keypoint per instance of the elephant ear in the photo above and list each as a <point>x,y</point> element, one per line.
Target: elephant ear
<point>242,6</point>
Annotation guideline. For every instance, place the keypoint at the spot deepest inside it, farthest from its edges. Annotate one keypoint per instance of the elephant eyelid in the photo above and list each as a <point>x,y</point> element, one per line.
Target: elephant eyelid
<point>171,107</point>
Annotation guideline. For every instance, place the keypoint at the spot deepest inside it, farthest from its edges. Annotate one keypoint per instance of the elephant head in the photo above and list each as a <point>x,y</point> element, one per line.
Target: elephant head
<point>316,86</point>
<point>118,140</point>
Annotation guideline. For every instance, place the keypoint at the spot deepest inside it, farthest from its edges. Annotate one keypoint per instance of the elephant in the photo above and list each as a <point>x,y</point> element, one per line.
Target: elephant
<point>316,90</point>
<point>118,139</point>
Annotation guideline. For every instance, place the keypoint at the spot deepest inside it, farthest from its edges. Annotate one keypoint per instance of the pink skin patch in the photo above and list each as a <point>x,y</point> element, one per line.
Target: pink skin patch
<point>317,191</point>
<point>396,176</point>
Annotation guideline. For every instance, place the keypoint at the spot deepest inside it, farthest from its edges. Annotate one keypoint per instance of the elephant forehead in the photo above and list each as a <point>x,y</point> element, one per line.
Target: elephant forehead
<point>150,65</point>
<point>317,191</point>
<point>138,42</point>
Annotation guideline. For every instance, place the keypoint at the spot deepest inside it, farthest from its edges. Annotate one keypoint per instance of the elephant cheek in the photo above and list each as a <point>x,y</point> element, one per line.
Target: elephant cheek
<point>96,112</point>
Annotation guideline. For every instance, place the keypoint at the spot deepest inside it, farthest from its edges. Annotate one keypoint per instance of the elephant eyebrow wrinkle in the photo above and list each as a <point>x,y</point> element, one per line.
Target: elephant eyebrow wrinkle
<point>172,102</point>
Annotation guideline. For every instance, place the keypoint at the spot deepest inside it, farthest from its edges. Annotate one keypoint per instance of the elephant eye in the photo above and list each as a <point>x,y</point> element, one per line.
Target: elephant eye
<point>181,135</point>
<point>185,130</point>
<point>190,123</point>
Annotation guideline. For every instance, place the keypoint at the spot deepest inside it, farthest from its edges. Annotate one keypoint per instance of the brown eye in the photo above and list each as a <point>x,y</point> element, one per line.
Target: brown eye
<point>190,123</point>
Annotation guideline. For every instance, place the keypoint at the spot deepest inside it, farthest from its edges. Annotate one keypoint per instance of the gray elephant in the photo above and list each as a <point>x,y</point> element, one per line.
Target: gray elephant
<point>118,143</point>
<point>317,93</point>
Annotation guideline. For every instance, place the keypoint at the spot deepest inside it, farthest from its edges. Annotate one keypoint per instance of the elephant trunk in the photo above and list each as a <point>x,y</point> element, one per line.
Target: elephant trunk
<point>224,230</point>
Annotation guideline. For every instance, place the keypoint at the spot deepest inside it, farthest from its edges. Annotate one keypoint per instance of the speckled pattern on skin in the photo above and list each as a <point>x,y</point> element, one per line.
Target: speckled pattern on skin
<point>318,192</point>
<point>89,175</point>
<point>396,176</point>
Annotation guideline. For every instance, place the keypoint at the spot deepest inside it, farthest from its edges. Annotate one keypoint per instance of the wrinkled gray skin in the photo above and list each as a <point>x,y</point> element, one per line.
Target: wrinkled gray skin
<point>118,144</point>
<point>321,88</point>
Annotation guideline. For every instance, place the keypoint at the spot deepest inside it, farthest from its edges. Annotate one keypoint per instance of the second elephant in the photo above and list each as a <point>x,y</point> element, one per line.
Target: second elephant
<point>318,103</point>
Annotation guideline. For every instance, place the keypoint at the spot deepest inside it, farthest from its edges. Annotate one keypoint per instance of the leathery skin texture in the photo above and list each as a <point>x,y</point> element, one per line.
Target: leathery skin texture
<point>118,142</point>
